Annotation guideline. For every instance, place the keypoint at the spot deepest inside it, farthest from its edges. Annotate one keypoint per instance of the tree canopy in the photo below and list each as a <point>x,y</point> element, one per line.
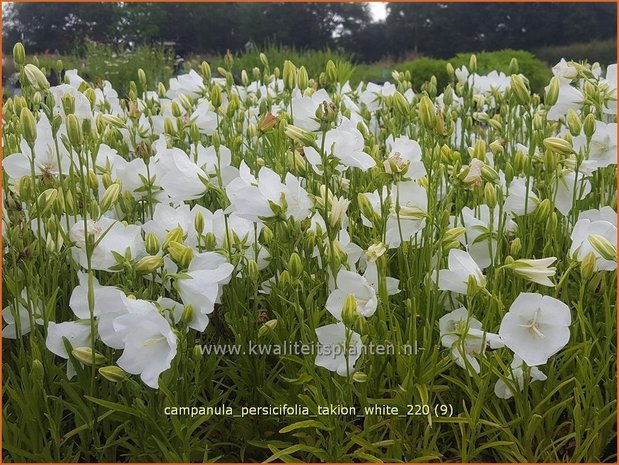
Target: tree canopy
<point>433,29</point>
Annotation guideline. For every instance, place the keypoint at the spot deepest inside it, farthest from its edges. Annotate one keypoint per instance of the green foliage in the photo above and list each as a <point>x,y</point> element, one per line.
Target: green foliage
<point>121,67</point>
<point>602,51</point>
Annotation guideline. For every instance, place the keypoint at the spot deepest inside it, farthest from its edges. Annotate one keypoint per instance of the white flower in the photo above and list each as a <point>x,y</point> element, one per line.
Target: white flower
<point>611,83</point>
<point>603,145</point>
<point>462,267</point>
<point>205,118</point>
<point>569,97</point>
<point>76,332</point>
<point>304,109</point>
<point>567,188</point>
<point>409,151</point>
<point>503,391</point>
<point>412,200</point>
<point>564,71</point>
<point>587,226</point>
<point>335,341</point>
<point>520,202</point>
<point>371,276</point>
<point>178,175</point>
<point>346,144</point>
<point>537,271</point>
<point>206,273</point>
<point>150,345</point>
<point>112,236</point>
<point>24,308</point>
<point>350,283</point>
<point>463,334</point>
<point>536,327</point>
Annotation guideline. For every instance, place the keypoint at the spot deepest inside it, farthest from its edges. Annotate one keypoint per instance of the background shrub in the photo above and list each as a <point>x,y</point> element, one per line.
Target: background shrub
<point>602,51</point>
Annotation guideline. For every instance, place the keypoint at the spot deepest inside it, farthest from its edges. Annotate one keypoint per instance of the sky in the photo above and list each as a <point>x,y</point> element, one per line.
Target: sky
<point>378,10</point>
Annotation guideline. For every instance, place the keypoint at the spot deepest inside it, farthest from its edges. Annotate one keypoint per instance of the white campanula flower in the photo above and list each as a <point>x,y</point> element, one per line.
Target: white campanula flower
<point>611,85</point>
<point>178,175</point>
<point>463,334</point>
<point>351,283</point>
<point>190,84</point>
<point>371,276</point>
<point>335,341</point>
<point>536,327</point>
<point>82,104</point>
<point>462,268</point>
<point>567,187</point>
<point>205,118</point>
<point>371,97</point>
<point>76,332</point>
<point>407,214</point>
<point>569,97</point>
<point>46,159</point>
<point>266,196</point>
<point>591,223</point>
<point>201,285</point>
<point>26,311</point>
<point>538,271</point>
<point>149,345</point>
<point>346,144</point>
<point>304,109</point>
<point>564,71</point>
<point>110,236</point>
<point>409,151</point>
<point>602,146</point>
<point>516,378</point>
<point>520,200</point>
<point>493,81</point>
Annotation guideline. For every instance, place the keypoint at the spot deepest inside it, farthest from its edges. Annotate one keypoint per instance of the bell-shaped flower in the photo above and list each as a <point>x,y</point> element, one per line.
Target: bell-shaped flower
<point>403,150</point>
<point>602,146</point>
<point>346,145</point>
<point>536,327</point>
<point>567,188</point>
<point>516,379</point>
<point>538,271</point>
<point>178,175</point>
<point>149,345</point>
<point>76,332</point>
<point>407,215</point>
<point>339,348</point>
<point>46,159</point>
<point>109,236</point>
<point>564,71</point>
<point>610,82</point>
<point>82,104</point>
<point>17,327</point>
<point>592,225</point>
<point>463,334</point>
<point>205,118</point>
<point>371,276</point>
<point>304,109</point>
<point>351,283</point>
<point>569,98</point>
<point>462,270</point>
<point>201,285</point>
<point>519,200</point>
<point>191,84</point>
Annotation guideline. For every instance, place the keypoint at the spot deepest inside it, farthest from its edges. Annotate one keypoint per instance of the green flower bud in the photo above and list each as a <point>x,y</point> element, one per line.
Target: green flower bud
<point>589,125</point>
<point>285,280</point>
<point>603,246</point>
<point>174,235</point>
<point>450,70</point>
<point>216,96</point>
<point>290,75</point>
<point>267,328</point>
<point>473,63</point>
<point>19,54</point>
<point>46,200</point>
<point>587,266</point>
<point>210,241</point>
<point>252,271</point>
<point>35,77</point>
<point>552,91</point>
<point>427,112</point>
<point>400,103</point>
<point>520,90</point>
<point>148,264</point>
<point>513,66</point>
<point>490,195</point>
<point>515,247</point>
<point>152,244</point>
<point>206,71</point>
<point>180,253</point>
<point>359,377</point>
<point>87,356</point>
<point>25,188</point>
<point>302,78</point>
<point>558,145</point>
<point>29,126</point>
<point>74,131</point>
<point>295,266</point>
<point>37,371</point>
<point>573,122</point>
<point>349,310</point>
<point>300,136</point>
<point>142,78</point>
<point>543,210</point>
<point>113,373</point>
<point>110,197</point>
<point>188,314</point>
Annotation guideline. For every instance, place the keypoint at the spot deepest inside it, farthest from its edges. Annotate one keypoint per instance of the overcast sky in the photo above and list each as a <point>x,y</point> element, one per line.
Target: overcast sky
<point>378,10</point>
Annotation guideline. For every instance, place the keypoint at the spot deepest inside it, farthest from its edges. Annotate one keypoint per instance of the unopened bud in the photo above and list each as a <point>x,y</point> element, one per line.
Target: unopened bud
<point>349,310</point>
<point>110,197</point>
<point>588,265</point>
<point>558,145</point>
<point>295,266</point>
<point>603,246</point>
<point>19,53</point>
<point>35,77</point>
<point>29,126</point>
<point>552,91</point>
<point>573,122</point>
<point>87,356</point>
<point>113,373</point>
<point>149,264</point>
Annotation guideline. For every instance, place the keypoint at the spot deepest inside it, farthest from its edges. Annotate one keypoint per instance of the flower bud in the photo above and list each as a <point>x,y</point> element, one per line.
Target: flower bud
<point>148,264</point>
<point>267,235</point>
<point>589,125</point>
<point>520,90</point>
<point>25,188</point>
<point>359,377</point>
<point>515,247</point>
<point>588,265</point>
<point>152,244</point>
<point>349,310</point>
<point>113,373</point>
<point>46,199</point>
<point>513,66</point>
<point>603,246</point>
<point>490,195</point>
<point>295,266</point>
<point>473,64</point>
<point>74,131</point>
<point>290,75</point>
<point>552,91</point>
<point>35,77</point>
<point>427,113</point>
<point>216,96</point>
<point>19,54</point>
<point>400,103</point>
<point>252,271</point>
<point>180,253</point>
<point>300,136</point>
<point>210,241</point>
<point>87,356</point>
<point>29,126</point>
<point>110,197</point>
<point>366,208</point>
<point>558,145</point>
<point>285,279</point>
<point>302,78</point>
<point>174,235</point>
<point>142,78</point>
<point>573,122</point>
<point>543,210</point>
<point>488,174</point>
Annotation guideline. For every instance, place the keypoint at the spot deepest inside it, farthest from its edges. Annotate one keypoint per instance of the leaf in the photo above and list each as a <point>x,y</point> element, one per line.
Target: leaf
<point>114,406</point>
<point>305,424</point>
